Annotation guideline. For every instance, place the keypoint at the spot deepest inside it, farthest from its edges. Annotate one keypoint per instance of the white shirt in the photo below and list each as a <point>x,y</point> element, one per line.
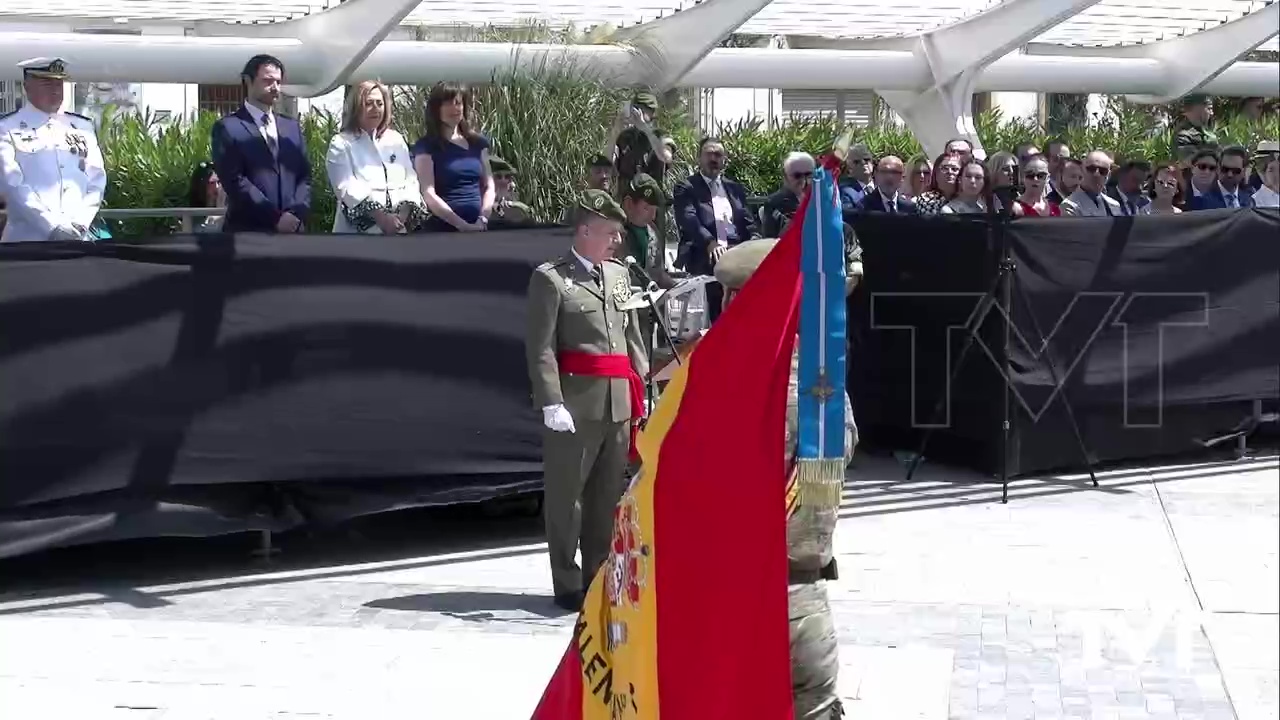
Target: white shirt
<point>590,266</point>
<point>721,208</point>
<point>890,202</point>
<point>266,122</point>
<point>51,175</point>
<point>1266,197</point>
<point>361,168</point>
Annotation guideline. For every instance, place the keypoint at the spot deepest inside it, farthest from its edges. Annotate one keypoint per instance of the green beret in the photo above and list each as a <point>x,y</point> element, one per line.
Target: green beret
<point>599,202</point>
<point>739,262</point>
<point>1197,99</point>
<point>646,100</point>
<point>500,167</point>
<point>600,160</point>
<point>644,187</point>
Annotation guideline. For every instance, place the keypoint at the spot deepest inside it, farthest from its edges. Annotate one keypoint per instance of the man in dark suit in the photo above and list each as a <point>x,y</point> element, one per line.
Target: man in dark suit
<point>711,212</point>
<point>886,198</point>
<point>1203,192</point>
<point>261,159</point>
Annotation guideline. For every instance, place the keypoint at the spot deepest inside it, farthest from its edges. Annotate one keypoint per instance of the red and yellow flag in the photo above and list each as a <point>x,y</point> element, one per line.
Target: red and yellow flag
<point>688,618</point>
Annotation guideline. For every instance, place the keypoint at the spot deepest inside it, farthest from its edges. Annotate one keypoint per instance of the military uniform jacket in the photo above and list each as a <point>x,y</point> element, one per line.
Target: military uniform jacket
<point>51,173</point>
<point>568,311</point>
<point>1189,138</point>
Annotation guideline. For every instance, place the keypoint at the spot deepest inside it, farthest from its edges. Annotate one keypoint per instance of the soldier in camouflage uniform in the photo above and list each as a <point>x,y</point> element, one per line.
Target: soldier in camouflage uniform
<point>814,651</point>
<point>1191,132</point>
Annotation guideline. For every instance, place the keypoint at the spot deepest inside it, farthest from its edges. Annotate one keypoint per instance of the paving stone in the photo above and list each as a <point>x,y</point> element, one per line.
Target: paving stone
<point>1000,598</point>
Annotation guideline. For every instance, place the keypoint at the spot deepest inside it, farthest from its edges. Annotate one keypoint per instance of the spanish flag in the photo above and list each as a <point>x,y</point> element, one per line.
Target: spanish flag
<point>687,620</point>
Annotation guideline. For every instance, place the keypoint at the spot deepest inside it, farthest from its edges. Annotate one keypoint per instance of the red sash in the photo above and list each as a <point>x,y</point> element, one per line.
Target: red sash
<point>616,366</point>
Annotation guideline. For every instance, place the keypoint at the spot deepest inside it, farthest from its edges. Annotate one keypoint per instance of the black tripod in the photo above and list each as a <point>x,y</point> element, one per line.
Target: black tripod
<point>1001,291</point>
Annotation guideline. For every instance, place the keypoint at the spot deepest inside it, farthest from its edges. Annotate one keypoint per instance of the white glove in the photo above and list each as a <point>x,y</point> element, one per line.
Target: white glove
<point>557,419</point>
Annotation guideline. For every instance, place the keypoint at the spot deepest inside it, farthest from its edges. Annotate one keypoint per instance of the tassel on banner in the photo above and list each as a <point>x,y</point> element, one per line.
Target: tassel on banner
<point>820,482</point>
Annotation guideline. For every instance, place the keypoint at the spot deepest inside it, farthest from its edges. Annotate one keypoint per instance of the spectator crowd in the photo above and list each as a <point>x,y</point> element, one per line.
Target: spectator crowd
<point>259,179</point>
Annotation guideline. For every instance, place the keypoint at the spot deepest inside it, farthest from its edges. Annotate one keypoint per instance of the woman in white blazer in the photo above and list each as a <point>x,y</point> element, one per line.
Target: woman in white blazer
<point>370,169</point>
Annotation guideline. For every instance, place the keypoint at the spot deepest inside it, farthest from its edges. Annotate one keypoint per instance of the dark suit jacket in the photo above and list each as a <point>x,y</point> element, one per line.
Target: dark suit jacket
<point>874,202</point>
<point>779,208</point>
<point>697,221</point>
<point>260,187</point>
<point>1214,200</point>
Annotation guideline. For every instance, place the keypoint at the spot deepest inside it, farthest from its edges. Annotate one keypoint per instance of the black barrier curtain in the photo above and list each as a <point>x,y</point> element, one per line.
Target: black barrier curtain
<point>211,384</point>
<point>180,387</point>
<point>1160,331</point>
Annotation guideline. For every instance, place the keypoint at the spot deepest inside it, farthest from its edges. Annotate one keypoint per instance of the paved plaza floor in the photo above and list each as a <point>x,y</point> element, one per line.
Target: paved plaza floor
<point>1153,596</point>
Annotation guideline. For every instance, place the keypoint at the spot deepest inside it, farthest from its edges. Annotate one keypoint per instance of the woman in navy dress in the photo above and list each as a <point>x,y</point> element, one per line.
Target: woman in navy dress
<point>452,163</point>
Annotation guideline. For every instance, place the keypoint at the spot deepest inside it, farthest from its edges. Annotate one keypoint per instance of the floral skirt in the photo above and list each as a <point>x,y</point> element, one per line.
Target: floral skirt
<point>361,216</point>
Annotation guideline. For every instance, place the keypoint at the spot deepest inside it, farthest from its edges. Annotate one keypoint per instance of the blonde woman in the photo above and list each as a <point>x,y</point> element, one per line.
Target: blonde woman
<point>370,169</point>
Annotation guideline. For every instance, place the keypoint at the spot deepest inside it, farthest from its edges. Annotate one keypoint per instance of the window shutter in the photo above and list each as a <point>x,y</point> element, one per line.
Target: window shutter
<point>856,107</point>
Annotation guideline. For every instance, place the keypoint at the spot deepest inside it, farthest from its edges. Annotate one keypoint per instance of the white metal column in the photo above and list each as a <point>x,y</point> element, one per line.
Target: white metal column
<point>957,54</point>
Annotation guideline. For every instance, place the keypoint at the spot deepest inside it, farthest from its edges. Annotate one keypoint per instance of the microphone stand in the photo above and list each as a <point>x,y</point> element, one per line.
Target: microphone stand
<point>651,389</point>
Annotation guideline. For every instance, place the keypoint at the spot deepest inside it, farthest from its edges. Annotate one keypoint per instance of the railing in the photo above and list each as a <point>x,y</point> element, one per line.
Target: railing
<point>185,215</point>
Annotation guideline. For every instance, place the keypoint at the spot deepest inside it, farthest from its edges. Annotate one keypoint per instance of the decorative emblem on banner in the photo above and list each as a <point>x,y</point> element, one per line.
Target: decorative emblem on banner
<point>621,290</point>
<point>628,566</point>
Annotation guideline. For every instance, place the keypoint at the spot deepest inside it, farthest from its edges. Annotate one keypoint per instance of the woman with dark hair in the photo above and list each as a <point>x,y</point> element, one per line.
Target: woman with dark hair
<point>1166,190</point>
<point>942,185</point>
<point>452,163</point>
<point>206,191</point>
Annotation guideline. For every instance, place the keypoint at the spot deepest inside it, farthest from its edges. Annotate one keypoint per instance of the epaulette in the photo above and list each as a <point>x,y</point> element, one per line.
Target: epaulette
<point>552,264</point>
<point>89,122</point>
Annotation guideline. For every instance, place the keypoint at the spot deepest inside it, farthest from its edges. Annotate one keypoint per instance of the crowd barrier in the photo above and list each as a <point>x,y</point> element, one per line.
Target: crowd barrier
<point>201,385</point>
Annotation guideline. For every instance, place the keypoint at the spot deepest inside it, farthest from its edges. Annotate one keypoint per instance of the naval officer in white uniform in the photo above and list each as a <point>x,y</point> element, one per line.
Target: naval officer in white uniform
<point>51,170</point>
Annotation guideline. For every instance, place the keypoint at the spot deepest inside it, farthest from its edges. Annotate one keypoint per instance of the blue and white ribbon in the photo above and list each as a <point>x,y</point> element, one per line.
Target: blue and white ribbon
<point>820,458</point>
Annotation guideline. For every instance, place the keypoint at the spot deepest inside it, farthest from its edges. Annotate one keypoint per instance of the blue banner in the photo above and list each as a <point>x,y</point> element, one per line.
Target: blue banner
<point>822,331</point>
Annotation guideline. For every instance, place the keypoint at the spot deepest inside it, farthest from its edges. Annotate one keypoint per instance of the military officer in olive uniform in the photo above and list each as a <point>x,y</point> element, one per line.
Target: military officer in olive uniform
<point>641,201</point>
<point>507,208</point>
<point>810,556</point>
<point>586,359</point>
<point>51,168</point>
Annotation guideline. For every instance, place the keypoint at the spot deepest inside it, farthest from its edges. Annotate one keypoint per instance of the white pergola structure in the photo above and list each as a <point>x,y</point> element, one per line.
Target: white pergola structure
<point>926,58</point>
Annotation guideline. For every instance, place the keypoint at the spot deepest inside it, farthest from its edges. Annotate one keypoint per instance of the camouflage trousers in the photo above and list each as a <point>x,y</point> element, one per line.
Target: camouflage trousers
<point>815,660</point>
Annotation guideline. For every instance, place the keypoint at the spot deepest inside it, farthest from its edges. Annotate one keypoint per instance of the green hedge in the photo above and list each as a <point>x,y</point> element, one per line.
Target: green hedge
<point>549,121</point>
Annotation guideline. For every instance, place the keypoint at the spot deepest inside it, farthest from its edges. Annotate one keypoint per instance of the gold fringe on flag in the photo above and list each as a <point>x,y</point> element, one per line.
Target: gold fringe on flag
<point>821,482</point>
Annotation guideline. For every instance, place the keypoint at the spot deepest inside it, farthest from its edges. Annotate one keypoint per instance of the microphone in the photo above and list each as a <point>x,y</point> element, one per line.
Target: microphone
<point>634,266</point>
